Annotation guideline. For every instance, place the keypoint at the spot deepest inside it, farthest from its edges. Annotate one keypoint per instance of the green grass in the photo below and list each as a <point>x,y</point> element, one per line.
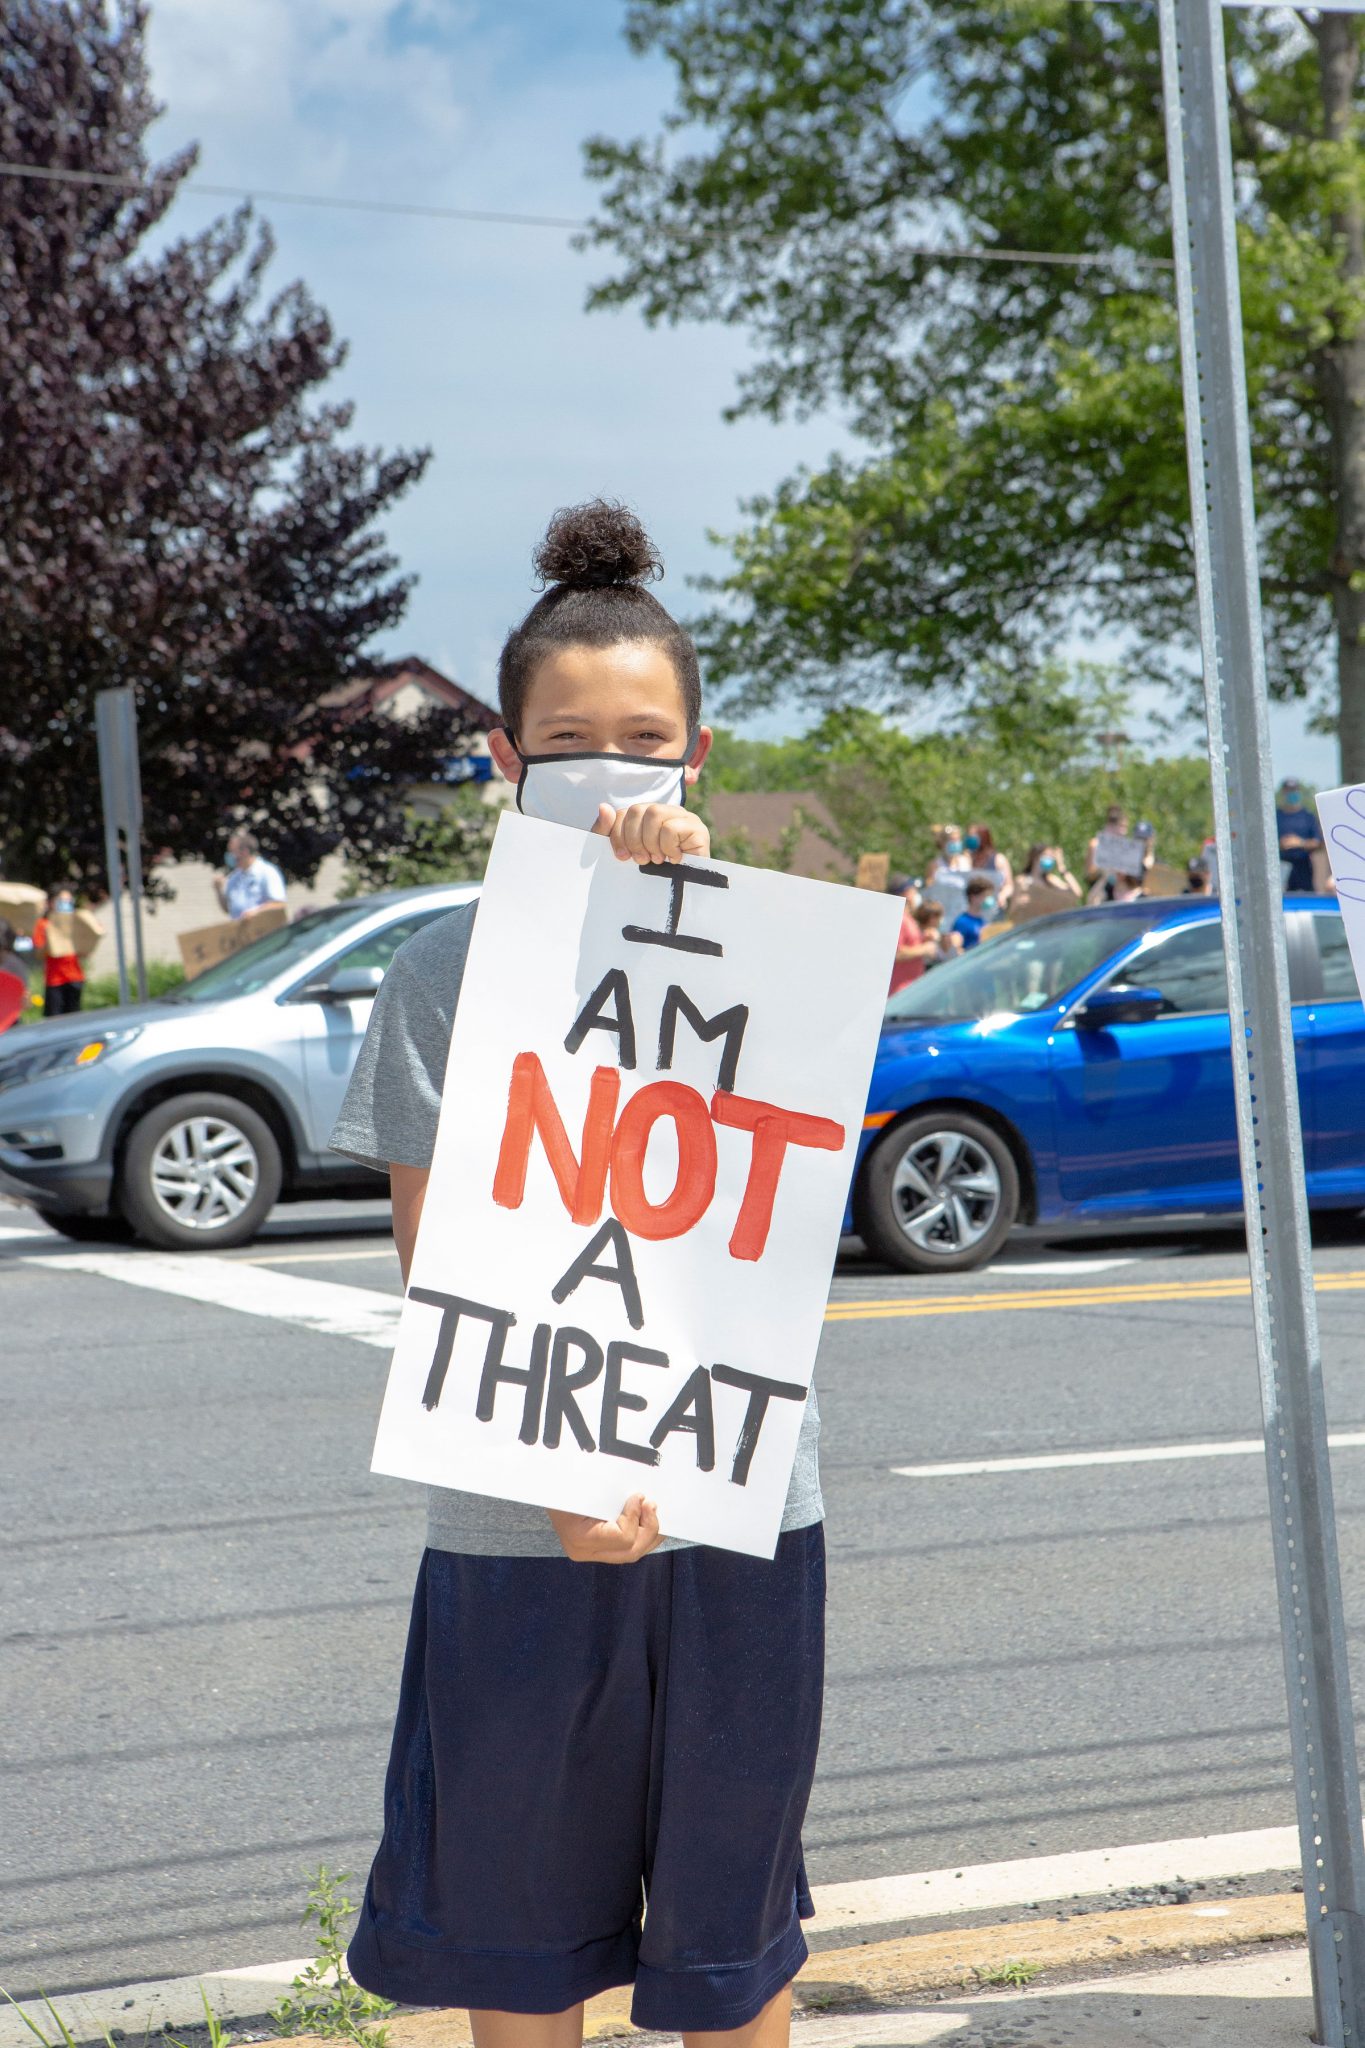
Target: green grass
<point>101,992</point>
<point>1015,1973</point>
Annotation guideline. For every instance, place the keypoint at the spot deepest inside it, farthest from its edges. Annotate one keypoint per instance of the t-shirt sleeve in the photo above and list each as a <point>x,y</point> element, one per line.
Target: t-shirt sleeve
<point>274,884</point>
<point>388,1117</point>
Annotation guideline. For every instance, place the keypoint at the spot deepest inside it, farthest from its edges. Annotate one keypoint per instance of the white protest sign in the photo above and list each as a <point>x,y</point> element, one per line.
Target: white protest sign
<point>1342,812</point>
<point>1116,854</point>
<point>655,1089</point>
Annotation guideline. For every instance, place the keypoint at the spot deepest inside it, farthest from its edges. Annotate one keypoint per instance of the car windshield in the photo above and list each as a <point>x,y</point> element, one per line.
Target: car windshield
<point>1020,971</point>
<point>275,954</point>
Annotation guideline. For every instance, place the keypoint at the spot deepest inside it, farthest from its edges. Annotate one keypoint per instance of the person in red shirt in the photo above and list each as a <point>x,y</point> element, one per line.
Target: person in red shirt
<point>63,976</point>
<point>914,950</point>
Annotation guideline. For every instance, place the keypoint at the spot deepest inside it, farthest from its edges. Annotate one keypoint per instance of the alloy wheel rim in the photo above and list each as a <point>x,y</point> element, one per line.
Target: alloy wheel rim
<point>204,1173</point>
<point>945,1193</point>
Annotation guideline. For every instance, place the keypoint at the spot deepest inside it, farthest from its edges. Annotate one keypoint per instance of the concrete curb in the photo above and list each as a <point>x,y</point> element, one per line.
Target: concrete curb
<point>883,1975</point>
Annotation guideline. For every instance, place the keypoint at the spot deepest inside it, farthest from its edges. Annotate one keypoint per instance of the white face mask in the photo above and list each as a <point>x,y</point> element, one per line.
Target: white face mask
<point>566,789</point>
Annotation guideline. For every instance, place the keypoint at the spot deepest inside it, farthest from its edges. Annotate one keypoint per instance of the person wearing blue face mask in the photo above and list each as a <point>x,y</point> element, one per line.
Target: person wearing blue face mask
<point>1299,836</point>
<point>1044,884</point>
<point>981,910</point>
<point>988,860</point>
<point>247,880</point>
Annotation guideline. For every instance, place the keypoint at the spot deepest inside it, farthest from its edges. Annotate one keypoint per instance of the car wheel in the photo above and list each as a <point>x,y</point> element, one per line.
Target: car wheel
<point>90,1229</point>
<point>939,1194</point>
<point>200,1172</point>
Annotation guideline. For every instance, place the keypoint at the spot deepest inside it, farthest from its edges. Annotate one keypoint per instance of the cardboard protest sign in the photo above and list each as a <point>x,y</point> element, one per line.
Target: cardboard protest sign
<point>1117,854</point>
<point>1039,899</point>
<point>874,871</point>
<point>21,906</point>
<point>72,931</point>
<point>213,942</point>
<point>653,1099</point>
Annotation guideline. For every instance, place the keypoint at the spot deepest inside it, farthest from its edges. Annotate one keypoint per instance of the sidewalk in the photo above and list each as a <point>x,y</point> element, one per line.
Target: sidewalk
<point>1236,1976</point>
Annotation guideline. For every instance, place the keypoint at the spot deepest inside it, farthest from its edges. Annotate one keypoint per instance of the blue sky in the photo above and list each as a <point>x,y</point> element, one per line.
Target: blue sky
<point>472,339</point>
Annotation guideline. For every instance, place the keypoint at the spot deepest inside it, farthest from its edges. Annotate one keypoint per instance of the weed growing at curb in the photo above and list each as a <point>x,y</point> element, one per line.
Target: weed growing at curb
<point>64,2037</point>
<point>1015,1973</point>
<point>218,2035</point>
<point>325,2000</point>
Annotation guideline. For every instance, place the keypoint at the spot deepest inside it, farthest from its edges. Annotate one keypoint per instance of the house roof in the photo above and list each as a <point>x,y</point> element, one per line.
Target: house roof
<point>763,815</point>
<point>372,693</point>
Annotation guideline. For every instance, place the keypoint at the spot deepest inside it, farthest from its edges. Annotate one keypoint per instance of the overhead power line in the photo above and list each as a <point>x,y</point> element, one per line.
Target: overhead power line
<point>109,181</point>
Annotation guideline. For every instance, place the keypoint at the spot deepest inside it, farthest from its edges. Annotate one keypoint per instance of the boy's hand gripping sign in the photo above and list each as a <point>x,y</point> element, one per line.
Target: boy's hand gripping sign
<point>653,1100</point>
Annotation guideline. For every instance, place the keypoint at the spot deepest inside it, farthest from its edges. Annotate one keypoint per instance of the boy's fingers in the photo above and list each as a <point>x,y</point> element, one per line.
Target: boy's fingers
<point>606,818</point>
<point>632,824</point>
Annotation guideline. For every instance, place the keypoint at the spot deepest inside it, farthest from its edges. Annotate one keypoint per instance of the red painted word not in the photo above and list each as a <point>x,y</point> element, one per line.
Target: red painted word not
<point>612,1151</point>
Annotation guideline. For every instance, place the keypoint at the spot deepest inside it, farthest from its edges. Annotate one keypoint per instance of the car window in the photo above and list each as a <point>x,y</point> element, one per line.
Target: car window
<point>245,972</point>
<point>1187,966</point>
<point>1019,972</point>
<point>376,949</point>
<point>1339,983</point>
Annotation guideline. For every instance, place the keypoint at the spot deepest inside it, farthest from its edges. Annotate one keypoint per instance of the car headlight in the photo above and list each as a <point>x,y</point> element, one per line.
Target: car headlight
<point>16,1068</point>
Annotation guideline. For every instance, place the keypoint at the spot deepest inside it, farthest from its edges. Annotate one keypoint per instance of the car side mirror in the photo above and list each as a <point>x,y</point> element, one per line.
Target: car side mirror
<point>347,985</point>
<point>1120,1003</point>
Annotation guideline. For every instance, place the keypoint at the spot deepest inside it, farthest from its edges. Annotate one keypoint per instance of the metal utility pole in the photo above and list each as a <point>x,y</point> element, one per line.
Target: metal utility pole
<point>1326,1774</point>
<point>121,793</point>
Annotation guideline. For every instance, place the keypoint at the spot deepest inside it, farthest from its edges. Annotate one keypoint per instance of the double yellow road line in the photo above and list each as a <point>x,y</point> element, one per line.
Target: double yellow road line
<point>1115,1295</point>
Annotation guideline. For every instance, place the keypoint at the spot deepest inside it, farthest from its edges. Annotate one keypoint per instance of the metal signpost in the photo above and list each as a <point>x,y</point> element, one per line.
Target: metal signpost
<point>121,793</point>
<point>1326,1775</point>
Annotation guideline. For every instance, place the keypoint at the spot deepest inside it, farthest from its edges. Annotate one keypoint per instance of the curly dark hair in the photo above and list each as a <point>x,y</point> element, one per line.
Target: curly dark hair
<point>594,560</point>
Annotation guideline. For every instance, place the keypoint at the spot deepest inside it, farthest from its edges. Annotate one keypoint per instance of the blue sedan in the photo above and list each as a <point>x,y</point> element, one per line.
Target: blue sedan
<point>1079,1070</point>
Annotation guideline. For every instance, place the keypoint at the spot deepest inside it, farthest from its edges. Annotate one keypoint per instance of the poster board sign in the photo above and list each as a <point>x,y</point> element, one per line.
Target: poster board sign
<point>653,1100</point>
<point>214,942</point>
<point>1032,899</point>
<point>951,892</point>
<point>874,871</point>
<point>72,931</point>
<point>1161,879</point>
<point>21,906</point>
<point>1342,812</point>
<point>1117,854</point>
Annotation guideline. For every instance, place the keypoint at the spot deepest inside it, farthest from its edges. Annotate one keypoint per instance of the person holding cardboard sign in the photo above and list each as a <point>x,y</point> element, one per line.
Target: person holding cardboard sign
<point>62,935</point>
<point>591,1711</point>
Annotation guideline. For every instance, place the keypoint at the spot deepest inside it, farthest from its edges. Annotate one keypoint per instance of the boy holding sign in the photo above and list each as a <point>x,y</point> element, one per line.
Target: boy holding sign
<point>572,1735</point>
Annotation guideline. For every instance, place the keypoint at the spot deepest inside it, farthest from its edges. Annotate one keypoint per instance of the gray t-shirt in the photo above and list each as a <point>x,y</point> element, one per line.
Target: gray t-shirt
<point>389,1117</point>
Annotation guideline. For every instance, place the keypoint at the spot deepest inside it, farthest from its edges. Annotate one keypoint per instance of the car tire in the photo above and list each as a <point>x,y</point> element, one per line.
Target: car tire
<point>940,1193</point>
<point>90,1229</point>
<point>200,1173</point>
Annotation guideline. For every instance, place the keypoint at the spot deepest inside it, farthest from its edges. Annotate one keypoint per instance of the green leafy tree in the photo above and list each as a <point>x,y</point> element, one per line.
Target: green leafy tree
<point>1035,760</point>
<point>1024,470</point>
<point>452,847</point>
<point>181,509</point>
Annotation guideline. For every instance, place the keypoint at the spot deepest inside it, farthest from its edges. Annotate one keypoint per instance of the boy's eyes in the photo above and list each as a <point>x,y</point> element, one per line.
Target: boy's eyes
<point>568,735</point>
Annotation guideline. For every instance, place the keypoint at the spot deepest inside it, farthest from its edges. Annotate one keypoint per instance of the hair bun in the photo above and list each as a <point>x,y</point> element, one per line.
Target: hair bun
<point>595,545</point>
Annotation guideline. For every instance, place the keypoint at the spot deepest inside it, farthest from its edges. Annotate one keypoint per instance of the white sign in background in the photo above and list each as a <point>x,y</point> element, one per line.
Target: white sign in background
<point>1342,815</point>
<point>691,1050</point>
<point>1116,854</point>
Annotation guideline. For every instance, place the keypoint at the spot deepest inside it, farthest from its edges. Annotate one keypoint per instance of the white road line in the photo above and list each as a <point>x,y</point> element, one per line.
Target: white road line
<point>322,1306</point>
<point>862,1907</point>
<point>1006,1267</point>
<point>1139,1454</point>
<point>387,1251</point>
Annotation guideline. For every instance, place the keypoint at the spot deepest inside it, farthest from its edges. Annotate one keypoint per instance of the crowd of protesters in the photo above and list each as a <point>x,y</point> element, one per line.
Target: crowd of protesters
<point>969,885</point>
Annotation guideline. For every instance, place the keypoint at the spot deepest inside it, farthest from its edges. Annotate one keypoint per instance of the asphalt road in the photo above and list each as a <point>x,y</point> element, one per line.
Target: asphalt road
<point>204,1593</point>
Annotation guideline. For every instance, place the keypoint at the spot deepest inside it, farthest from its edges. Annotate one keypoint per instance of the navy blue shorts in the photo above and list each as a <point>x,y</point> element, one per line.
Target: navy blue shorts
<point>576,1741</point>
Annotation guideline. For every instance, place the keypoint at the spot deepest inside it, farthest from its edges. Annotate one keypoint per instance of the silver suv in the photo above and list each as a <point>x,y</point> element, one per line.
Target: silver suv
<point>183,1121</point>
